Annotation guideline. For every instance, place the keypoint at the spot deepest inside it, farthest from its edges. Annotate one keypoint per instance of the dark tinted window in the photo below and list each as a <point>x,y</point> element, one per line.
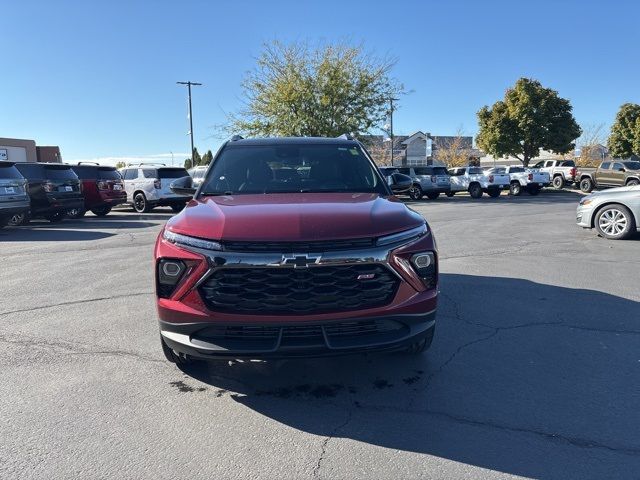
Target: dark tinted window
<point>150,173</point>
<point>632,165</point>
<point>515,170</point>
<point>320,167</point>
<point>58,173</point>
<point>423,170</point>
<point>440,171</point>
<point>30,170</point>
<point>617,166</point>
<point>404,171</point>
<point>605,166</point>
<point>568,163</point>
<point>107,173</point>
<point>9,171</point>
<point>172,173</point>
<point>476,170</point>
<point>86,172</point>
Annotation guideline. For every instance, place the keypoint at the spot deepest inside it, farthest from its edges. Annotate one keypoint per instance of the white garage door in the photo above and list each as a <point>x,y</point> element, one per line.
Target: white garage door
<point>14,154</point>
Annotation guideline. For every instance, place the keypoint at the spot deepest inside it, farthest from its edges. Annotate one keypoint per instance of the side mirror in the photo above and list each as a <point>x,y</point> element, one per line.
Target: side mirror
<point>621,169</point>
<point>183,186</point>
<point>400,183</point>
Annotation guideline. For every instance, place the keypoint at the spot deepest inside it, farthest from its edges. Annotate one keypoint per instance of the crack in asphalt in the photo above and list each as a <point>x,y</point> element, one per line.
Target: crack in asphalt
<point>72,348</point>
<point>75,302</point>
<point>325,442</point>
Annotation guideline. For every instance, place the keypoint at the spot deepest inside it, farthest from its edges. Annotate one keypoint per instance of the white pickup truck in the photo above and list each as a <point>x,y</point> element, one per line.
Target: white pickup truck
<point>531,180</point>
<point>475,181</point>
<point>562,172</point>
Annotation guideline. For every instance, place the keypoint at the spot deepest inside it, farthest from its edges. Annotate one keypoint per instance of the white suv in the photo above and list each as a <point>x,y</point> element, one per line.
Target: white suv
<point>147,186</point>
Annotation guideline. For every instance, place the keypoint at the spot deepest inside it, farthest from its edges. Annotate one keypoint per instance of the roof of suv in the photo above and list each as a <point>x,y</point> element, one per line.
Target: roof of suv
<point>292,141</point>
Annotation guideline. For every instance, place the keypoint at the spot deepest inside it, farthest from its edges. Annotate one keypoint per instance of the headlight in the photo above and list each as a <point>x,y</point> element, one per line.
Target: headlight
<point>424,265</point>
<point>190,241</point>
<point>586,201</point>
<point>405,236</point>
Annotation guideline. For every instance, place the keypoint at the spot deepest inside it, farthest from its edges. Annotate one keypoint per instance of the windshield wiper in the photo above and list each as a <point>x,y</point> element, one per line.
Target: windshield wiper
<point>216,194</point>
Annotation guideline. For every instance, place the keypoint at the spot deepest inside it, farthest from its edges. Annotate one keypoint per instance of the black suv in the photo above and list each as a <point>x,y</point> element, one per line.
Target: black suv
<point>13,195</point>
<point>53,188</point>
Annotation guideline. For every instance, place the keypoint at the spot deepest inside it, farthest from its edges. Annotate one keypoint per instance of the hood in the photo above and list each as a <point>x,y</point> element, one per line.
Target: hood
<point>608,191</point>
<point>294,217</point>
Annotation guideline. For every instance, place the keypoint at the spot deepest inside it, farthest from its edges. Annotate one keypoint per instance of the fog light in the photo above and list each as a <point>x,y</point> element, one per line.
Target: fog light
<point>425,266</point>
<point>169,274</point>
<point>422,260</point>
<point>171,269</point>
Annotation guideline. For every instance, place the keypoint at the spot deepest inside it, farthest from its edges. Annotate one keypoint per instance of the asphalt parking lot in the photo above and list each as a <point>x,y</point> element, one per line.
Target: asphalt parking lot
<point>534,370</point>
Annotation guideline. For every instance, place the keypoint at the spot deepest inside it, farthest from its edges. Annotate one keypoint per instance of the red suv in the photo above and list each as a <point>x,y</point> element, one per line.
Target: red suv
<point>294,247</point>
<point>102,189</point>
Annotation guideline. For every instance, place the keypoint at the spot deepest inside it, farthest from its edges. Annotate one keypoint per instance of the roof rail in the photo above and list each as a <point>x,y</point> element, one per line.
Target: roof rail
<point>146,164</point>
<point>235,138</point>
<point>88,163</point>
<point>346,136</point>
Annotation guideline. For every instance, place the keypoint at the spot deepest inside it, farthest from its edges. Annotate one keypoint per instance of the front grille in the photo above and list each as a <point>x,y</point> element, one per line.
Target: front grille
<point>292,247</point>
<point>315,289</point>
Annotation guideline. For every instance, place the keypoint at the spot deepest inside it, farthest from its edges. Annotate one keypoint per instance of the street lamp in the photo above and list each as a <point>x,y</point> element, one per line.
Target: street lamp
<point>188,84</point>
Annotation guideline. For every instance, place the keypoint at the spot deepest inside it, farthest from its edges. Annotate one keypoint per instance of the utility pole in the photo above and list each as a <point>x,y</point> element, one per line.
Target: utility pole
<point>391,100</point>
<point>188,84</point>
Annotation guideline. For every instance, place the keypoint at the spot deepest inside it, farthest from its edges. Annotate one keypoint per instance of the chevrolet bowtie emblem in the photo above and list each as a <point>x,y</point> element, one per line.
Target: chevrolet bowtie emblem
<point>300,260</point>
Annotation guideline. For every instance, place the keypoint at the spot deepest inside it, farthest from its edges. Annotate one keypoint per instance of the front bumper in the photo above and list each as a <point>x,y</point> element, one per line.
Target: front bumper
<point>293,339</point>
<point>584,215</point>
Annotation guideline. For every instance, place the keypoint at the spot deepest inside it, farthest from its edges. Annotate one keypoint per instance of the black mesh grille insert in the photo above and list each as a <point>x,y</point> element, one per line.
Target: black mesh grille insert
<point>316,289</point>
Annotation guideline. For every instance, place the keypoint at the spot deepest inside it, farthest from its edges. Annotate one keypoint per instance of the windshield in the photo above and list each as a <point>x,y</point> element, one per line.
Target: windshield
<point>292,168</point>
<point>632,165</point>
<point>9,171</point>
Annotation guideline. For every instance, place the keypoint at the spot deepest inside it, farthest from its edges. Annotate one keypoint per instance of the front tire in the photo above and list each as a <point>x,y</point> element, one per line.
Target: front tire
<point>586,185</point>
<point>615,222</point>
<point>558,182</point>
<point>140,203</point>
<point>450,194</point>
<point>433,196</point>
<point>415,192</point>
<point>533,191</point>
<point>177,207</point>
<point>174,357</point>
<point>493,192</point>
<point>475,190</point>
<point>515,189</point>
<point>632,183</point>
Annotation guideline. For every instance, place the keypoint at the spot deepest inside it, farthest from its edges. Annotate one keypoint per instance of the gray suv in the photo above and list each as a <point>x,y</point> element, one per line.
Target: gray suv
<point>14,199</point>
<point>429,180</point>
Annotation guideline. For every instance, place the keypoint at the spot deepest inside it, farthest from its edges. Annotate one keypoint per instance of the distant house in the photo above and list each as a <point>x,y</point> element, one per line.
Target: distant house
<point>419,148</point>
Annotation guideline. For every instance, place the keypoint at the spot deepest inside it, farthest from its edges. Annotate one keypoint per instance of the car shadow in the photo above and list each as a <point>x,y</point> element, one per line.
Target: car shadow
<point>69,230</point>
<point>523,378</point>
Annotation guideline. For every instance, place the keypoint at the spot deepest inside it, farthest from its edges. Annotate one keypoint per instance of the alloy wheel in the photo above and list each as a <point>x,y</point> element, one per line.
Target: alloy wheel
<point>613,222</point>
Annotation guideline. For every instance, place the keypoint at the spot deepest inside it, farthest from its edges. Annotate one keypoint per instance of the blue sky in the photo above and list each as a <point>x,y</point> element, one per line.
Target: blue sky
<point>98,78</point>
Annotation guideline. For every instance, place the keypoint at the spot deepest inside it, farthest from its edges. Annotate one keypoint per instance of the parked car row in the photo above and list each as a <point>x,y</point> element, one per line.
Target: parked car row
<point>54,191</point>
<point>431,181</point>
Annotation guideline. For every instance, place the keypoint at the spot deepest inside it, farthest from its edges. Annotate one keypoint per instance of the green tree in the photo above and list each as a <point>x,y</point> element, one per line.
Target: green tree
<point>296,90</point>
<point>197,160</point>
<point>120,165</point>
<point>529,118</point>
<point>206,158</point>
<point>624,140</point>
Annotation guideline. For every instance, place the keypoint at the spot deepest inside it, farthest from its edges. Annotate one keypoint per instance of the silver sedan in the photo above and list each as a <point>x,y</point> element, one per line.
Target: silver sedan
<point>614,213</point>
